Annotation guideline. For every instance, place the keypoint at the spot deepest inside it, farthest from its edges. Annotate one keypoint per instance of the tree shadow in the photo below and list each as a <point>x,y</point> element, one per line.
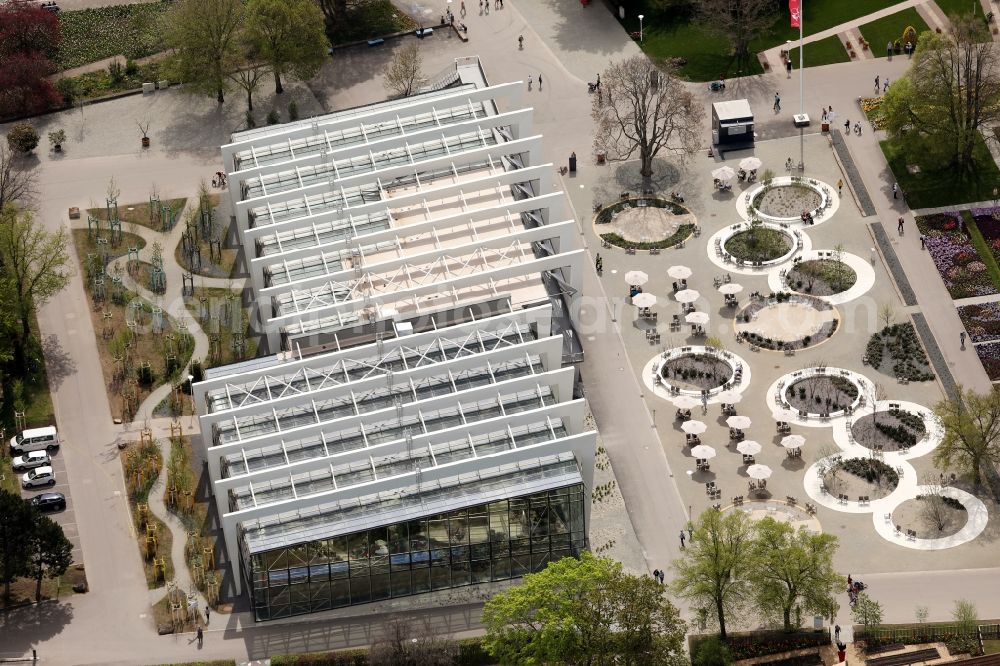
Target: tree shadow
<point>28,626</point>
<point>58,364</point>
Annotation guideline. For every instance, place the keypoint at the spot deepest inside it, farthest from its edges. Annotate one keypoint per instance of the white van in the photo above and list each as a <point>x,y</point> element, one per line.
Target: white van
<point>35,439</point>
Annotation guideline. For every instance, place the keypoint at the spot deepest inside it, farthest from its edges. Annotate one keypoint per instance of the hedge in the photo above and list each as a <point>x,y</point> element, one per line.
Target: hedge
<point>470,653</point>
<point>682,233</point>
<point>763,643</point>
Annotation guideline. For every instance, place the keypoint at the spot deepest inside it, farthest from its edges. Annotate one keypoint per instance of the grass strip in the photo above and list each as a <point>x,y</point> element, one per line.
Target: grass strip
<point>982,247</point>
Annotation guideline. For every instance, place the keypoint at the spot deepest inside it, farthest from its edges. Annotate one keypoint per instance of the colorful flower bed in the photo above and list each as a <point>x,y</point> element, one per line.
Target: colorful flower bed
<point>982,321</point>
<point>872,107</point>
<point>957,261</point>
<point>89,35</point>
<point>989,355</point>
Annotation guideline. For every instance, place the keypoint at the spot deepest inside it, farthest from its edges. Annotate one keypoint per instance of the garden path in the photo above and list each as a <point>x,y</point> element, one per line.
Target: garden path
<point>933,15</point>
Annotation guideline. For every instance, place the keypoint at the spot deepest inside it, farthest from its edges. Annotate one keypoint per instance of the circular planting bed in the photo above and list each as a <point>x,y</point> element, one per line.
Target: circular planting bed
<point>696,372</point>
<point>644,224</point>
<point>786,321</point>
<point>822,394</point>
<point>896,350</point>
<point>821,277</point>
<point>856,477</point>
<point>931,516</point>
<point>896,430</point>
<point>763,244</point>
<point>786,201</point>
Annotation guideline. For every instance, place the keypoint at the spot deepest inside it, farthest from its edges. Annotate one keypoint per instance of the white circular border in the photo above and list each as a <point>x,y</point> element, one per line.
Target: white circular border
<point>825,191</point>
<point>775,396</point>
<point>651,372</point>
<point>800,241</point>
<point>812,482</point>
<point>862,269</point>
<point>977,515</point>
<point>935,433</point>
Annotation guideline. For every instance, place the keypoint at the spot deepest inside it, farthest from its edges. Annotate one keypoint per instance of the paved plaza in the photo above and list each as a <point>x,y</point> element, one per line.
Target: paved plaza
<point>567,44</point>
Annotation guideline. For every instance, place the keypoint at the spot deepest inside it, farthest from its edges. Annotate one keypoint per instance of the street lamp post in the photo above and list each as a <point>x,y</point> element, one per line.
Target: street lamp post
<point>640,27</point>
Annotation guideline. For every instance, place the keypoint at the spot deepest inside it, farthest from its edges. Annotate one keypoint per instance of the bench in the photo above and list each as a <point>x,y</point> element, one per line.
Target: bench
<point>376,42</point>
<point>888,647</point>
<point>905,658</point>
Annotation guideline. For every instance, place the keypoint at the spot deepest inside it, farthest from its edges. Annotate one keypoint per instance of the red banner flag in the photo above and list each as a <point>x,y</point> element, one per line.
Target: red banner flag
<point>796,12</point>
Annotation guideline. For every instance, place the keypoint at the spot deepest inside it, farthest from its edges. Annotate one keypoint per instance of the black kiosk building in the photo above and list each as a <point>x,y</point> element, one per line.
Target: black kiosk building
<point>732,125</point>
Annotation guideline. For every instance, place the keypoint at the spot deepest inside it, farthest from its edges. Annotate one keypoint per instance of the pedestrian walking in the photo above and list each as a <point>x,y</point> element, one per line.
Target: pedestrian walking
<point>788,69</point>
<point>656,575</point>
<point>487,7</point>
<point>201,637</point>
<point>777,102</point>
<point>961,337</point>
<point>847,126</point>
<point>530,81</point>
<point>995,196</point>
<point>899,226</point>
<point>206,615</point>
<point>682,536</point>
<point>857,127</point>
<point>663,576</point>
<point>520,42</point>
<point>888,50</point>
<point>885,86</point>
<point>840,187</point>
<point>876,82</point>
<point>922,244</point>
<point>480,7</point>
<point>462,9</point>
<point>836,633</point>
<point>539,83</point>
<point>895,190</point>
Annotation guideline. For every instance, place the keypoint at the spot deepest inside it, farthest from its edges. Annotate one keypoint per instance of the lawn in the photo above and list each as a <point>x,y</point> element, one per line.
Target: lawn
<point>707,54</point>
<point>956,8</point>
<point>824,52</point>
<point>139,214</point>
<point>90,35</point>
<point>890,28</point>
<point>22,590</point>
<point>943,187</point>
<point>375,19</point>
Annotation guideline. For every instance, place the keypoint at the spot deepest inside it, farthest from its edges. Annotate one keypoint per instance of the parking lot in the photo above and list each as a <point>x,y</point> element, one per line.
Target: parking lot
<point>67,518</point>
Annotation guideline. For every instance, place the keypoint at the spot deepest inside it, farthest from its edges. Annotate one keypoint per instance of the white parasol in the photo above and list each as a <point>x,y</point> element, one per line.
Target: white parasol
<point>693,427</point>
<point>636,278</point>
<point>724,173</point>
<point>758,471</point>
<point>703,451</point>
<point>730,288</point>
<point>679,272</point>
<point>685,401</point>
<point>687,295</point>
<point>793,441</point>
<point>739,422</point>
<point>750,163</point>
<point>748,447</point>
<point>644,300</point>
<point>699,318</point>
<point>729,397</point>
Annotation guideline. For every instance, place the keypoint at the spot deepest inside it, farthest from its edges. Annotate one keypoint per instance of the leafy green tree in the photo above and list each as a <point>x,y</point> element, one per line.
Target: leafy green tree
<point>711,652</point>
<point>950,93</point>
<point>204,37</point>
<point>793,572</point>
<point>586,611</point>
<point>971,432</point>
<point>711,573</point>
<point>34,266</point>
<point>15,523</point>
<point>966,616</point>
<point>867,611</point>
<point>289,36</point>
<point>49,552</point>
<point>22,138</point>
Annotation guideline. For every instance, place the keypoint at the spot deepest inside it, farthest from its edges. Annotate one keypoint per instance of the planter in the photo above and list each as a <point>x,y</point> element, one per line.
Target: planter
<point>825,127</point>
<point>145,142</point>
<point>57,147</point>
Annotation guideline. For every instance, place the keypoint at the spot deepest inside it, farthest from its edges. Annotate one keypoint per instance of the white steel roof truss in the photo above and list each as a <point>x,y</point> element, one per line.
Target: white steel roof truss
<point>284,453</point>
<point>503,411</point>
<point>354,402</point>
<point>444,142</point>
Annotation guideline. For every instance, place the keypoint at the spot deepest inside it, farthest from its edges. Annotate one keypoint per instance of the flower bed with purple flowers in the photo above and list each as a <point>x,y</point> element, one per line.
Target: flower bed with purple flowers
<point>982,321</point>
<point>957,261</point>
<point>989,355</point>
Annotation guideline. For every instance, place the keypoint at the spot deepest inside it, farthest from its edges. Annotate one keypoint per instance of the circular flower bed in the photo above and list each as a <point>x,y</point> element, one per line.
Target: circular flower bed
<point>822,394</point>
<point>786,201</point>
<point>644,224</point>
<point>760,244</point>
<point>895,430</point>
<point>696,372</point>
<point>821,277</point>
<point>857,477</point>
<point>786,321</point>
<point>931,516</point>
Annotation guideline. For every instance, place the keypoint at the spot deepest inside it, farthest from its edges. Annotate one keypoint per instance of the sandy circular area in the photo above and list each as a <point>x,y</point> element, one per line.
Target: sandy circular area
<point>787,322</point>
<point>788,200</point>
<point>646,224</point>
<point>914,514</point>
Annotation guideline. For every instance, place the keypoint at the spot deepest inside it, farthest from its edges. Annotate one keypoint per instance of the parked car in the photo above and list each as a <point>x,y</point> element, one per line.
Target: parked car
<point>48,502</point>
<point>31,460</point>
<point>38,477</point>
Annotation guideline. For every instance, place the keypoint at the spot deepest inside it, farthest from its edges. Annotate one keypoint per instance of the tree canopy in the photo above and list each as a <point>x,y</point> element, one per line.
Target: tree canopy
<point>739,21</point>
<point>950,93</point>
<point>586,611</point>
<point>971,432</point>
<point>205,39</point>
<point>642,110</point>
<point>712,571</point>
<point>793,572</point>
<point>289,37</point>
<point>29,37</point>
<point>403,76</point>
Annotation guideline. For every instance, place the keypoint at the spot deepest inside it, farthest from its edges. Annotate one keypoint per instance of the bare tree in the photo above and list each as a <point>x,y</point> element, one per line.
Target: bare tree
<point>933,509</point>
<point>886,313</point>
<point>643,110</point>
<point>403,76</point>
<point>405,644</point>
<point>17,184</point>
<point>739,21</point>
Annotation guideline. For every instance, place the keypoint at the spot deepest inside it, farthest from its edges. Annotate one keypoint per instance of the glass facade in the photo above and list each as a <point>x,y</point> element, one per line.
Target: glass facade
<point>488,542</point>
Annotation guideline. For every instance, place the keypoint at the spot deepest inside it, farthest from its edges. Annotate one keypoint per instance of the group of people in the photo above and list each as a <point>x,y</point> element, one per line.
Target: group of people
<point>748,176</point>
<point>885,84</point>
<point>854,588</point>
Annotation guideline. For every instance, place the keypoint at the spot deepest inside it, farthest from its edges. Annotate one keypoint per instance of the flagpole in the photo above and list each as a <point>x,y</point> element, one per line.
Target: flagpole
<point>802,100</point>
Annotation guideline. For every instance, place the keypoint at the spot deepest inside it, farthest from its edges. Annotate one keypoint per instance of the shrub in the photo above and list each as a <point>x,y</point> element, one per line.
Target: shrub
<point>67,88</point>
<point>273,118</point>
<point>22,138</point>
<point>871,470</point>
<point>116,71</point>
<point>711,652</point>
<point>131,68</point>
<point>293,110</point>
